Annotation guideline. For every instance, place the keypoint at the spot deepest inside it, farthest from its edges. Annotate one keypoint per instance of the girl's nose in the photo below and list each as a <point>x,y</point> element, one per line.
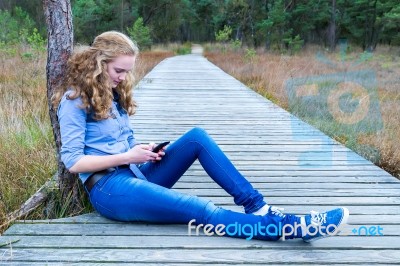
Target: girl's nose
<point>122,76</point>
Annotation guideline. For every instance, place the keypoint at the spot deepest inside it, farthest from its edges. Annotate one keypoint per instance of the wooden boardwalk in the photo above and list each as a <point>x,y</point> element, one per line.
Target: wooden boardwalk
<point>294,165</point>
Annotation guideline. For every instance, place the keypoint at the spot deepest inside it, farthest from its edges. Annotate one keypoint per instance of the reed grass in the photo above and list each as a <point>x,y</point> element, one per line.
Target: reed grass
<point>269,73</point>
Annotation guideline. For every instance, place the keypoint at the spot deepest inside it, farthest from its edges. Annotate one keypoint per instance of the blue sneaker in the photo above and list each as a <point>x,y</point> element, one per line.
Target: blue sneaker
<point>320,225</point>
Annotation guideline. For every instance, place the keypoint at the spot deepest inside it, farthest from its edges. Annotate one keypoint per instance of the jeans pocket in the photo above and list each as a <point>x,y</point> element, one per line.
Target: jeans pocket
<point>101,183</point>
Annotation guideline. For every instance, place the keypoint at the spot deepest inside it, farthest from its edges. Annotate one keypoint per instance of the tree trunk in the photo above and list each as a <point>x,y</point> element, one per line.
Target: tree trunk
<point>332,28</point>
<point>59,48</point>
<point>374,30</point>
<point>122,16</point>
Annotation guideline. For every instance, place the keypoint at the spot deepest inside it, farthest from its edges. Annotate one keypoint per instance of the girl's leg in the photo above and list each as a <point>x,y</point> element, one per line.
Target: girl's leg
<point>122,197</point>
<point>197,144</point>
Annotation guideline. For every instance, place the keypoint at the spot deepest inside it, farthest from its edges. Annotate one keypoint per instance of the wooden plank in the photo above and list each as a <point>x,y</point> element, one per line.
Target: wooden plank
<point>206,256</point>
<point>259,166</point>
<point>264,177</point>
<point>305,192</point>
<point>139,264</point>
<point>199,242</point>
<point>318,173</point>
<point>143,229</point>
<point>323,201</point>
<point>182,184</point>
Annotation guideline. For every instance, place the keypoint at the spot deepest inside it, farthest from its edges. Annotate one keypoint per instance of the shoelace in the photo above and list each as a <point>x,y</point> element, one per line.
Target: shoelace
<point>318,218</point>
<point>276,211</point>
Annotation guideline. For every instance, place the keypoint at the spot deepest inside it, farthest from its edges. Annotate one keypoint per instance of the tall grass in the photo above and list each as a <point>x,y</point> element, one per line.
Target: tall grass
<point>28,156</point>
<point>27,149</point>
<point>268,74</point>
<point>148,60</point>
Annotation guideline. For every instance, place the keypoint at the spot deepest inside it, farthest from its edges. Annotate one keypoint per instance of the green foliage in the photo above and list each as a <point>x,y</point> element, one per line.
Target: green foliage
<point>250,55</point>
<point>224,34</point>
<point>273,23</point>
<point>314,16</point>
<point>19,28</point>
<point>365,22</point>
<point>34,133</point>
<point>36,41</point>
<point>391,20</point>
<point>165,18</point>
<point>294,44</point>
<point>15,26</point>
<point>204,20</point>
<point>276,26</point>
<point>141,34</point>
<point>86,18</point>
<point>36,45</point>
<point>186,48</point>
<point>7,50</point>
<point>92,17</point>
<point>235,45</point>
<point>9,32</point>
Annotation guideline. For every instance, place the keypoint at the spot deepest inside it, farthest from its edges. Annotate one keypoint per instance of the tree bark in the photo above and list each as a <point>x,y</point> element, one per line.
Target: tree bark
<point>59,48</point>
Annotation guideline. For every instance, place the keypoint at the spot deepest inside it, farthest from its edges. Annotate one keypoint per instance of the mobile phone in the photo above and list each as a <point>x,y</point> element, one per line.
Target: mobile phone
<point>160,146</point>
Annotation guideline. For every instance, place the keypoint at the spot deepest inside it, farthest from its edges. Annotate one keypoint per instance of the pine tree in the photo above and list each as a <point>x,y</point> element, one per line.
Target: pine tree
<point>391,22</point>
<point>363,21</point>
<point>276,27</point>
<point>140,34</point>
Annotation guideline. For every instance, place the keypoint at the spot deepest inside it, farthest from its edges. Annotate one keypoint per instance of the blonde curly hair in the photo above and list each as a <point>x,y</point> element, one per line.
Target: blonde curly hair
<point>87,75</point>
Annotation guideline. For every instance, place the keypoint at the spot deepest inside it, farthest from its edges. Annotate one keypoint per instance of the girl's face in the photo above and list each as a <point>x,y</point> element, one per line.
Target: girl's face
<point>119,67</point>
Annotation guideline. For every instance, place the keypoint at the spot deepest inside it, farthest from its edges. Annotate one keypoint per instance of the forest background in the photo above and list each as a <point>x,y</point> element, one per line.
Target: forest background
<point>267,44</point>
<point>273,24</point>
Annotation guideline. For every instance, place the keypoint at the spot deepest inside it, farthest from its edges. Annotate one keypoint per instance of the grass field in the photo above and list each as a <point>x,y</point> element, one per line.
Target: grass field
<point>353,97</point>
<point>27,148</point>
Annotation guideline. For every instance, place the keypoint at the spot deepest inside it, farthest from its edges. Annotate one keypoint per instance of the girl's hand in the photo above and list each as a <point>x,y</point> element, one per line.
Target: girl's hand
<point>141,153</point>
<point>160,154</point>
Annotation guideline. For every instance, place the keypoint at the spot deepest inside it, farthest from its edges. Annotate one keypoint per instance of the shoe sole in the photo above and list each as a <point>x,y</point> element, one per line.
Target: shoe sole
<point>344,220</point>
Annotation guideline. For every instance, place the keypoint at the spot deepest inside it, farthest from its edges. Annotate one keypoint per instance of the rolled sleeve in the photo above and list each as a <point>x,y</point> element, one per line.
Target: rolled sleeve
<point>72,121</point>
<point>131,139</point>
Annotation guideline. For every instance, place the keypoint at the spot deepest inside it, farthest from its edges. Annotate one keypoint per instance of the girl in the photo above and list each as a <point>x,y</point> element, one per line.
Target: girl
<point>127,181</point>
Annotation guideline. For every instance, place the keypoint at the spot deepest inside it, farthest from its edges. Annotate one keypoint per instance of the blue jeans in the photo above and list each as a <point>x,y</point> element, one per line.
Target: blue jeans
<point>121,196</point>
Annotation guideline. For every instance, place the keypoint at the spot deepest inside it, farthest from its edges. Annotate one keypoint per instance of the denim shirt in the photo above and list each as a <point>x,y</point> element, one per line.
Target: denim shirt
<point>82,135</point>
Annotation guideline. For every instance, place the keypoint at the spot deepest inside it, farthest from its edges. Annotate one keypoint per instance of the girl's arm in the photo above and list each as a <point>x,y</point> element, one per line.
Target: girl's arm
<point>91,163</point>
<point>72,120</point>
